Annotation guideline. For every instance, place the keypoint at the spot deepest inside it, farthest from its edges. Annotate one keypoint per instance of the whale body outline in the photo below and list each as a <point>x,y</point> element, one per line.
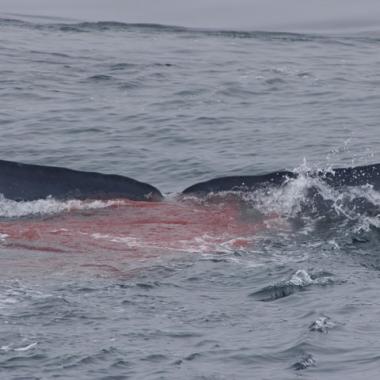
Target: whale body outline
<point>28,182</point>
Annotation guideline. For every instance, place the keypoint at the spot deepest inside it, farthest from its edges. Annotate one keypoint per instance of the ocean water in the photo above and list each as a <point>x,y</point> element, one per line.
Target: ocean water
<point>84,294</point>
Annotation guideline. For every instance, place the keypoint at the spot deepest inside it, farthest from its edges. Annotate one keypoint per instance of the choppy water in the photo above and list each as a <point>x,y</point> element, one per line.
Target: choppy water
<point>173,106</point>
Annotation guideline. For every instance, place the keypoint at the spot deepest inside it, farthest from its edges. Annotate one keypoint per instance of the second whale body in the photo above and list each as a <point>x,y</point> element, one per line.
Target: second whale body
<point>336,178</point>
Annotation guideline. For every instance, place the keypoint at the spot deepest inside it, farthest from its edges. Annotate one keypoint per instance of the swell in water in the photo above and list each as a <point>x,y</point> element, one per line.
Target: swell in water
<point>112,26</point>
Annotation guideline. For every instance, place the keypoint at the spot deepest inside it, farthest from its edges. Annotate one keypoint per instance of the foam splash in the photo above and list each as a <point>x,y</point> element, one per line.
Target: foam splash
<point>25,348</point>
<point>298,282</point>
<point>305,362</point>
<point>198,244</point>
<point>301,278</point>
<point>311,198</point>
<point>322,325</point>
<point>13,209</point>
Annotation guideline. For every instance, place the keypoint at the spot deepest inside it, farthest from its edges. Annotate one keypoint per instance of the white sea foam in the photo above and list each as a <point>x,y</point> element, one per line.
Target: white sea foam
<point>301,278</point>
<point>25,348</point>
<point>291,199</point>
<point>13,209</point>
<point>199,244</point>
<point>3,237</point>
<point>322,325</point>
<point>9,347</point>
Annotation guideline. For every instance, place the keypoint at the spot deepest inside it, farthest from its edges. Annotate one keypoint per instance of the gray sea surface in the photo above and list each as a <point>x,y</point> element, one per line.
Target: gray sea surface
<point>173,106</point>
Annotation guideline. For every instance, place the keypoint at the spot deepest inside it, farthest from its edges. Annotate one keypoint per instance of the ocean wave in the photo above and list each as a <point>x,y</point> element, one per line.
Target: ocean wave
<point>114,26</point>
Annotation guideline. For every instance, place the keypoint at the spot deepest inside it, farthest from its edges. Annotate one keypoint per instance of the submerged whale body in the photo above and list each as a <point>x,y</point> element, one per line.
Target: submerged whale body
<point>25,182</point>
<point>341,177</point>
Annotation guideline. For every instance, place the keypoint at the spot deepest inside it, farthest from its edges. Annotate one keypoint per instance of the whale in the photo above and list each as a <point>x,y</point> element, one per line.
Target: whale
<point>336,178</point>
<point>28,182</point>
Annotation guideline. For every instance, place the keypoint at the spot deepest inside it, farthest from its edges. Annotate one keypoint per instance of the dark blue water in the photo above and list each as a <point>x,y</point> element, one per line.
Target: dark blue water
<point>174,106</point>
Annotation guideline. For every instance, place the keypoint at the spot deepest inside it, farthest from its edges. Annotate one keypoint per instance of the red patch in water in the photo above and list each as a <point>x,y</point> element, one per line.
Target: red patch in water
<point>135,230</point>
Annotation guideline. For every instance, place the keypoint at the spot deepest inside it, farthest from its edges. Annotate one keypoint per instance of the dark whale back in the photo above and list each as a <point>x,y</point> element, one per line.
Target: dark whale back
<point>24,182</point>
<point>239,183</point>
<point>356,176</point>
